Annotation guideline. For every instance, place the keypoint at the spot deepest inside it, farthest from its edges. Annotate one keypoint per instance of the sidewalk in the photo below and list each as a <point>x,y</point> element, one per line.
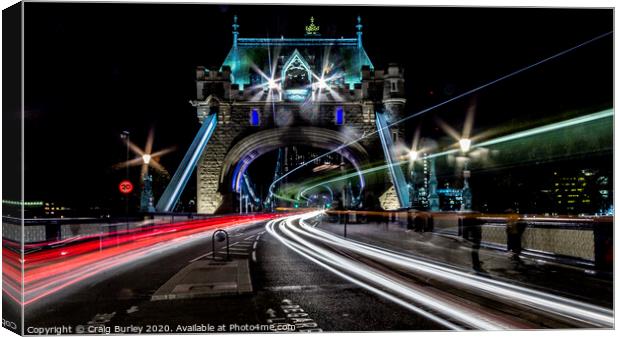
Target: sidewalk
<point>567,281</point>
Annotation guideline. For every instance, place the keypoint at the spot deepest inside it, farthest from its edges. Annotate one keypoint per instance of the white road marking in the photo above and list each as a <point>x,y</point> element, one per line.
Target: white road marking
<point>132,309</point>
<point>254,256</point>
<point>308,288</point>
<point>297,316</point>
<point>236,253</point>
<point>200,257</point>
<point>242,246</point>
<point>101,318</point>
<point>238,250</point>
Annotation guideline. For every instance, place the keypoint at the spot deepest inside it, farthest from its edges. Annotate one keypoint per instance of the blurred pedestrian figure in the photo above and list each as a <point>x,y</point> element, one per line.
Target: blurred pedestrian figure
<point>410,217</point>
<point>418,223</point>
<point>472,231</point>
<point>427,222</point>
<point>514,233</point>
<point>385,217</point>
<point>340,209</point>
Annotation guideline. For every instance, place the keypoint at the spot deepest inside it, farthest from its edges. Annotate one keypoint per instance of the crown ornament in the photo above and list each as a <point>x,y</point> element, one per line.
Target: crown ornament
<point>312,29</point>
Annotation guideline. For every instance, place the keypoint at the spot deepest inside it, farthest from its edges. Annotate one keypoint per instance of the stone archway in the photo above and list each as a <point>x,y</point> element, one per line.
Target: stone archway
<point>246,150</point>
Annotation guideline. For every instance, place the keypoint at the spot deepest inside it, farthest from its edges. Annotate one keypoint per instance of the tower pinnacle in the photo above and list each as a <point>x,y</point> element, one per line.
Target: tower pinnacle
<point>359,31</point>
<point>235,27</point>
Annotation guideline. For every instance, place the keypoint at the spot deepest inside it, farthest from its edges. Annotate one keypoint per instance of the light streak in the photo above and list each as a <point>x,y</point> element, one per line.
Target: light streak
<point>312,257</point>
<point>502,139</point>
<point>405,294</point>
<point>464,94</point>
<point>547,128</point>
<point>369,276</point>
<point>50,270</point>
<point>535,299</point>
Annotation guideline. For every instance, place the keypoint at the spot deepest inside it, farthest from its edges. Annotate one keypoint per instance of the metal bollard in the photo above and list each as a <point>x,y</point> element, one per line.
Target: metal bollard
<point>220,239</point>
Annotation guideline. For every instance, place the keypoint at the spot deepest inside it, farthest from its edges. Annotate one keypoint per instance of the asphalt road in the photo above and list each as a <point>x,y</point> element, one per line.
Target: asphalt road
<point>120,298</point>
<point>288,289</point>
<point>451,296</point>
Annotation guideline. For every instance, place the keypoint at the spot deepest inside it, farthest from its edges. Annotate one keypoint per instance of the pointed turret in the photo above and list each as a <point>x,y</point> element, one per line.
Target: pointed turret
<point>235,32</point>
<point>359,31</point>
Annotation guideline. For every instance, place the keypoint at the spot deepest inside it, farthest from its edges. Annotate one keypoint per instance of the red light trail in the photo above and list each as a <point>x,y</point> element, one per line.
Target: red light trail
<point>60,264</point>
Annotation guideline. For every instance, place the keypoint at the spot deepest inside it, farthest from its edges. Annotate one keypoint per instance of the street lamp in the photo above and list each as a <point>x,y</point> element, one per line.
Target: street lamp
<point>413,156</point>
<point>465,144</point>
<point>125,137</point>
<point>146,158</point>
<point>272,84</point>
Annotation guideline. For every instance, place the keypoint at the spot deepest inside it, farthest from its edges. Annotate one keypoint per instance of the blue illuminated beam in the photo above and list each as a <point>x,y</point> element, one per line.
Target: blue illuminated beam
<point>396,173</point>
<point>173,191</point>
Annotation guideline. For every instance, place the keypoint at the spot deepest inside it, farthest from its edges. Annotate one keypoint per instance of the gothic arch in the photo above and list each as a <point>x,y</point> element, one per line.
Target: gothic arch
<point>244,152</point>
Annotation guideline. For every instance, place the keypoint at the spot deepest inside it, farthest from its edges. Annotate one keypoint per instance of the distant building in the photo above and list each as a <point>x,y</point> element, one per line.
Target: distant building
<point>34,209</point>
<point>295,156</point>
<point>450,199</point>
<point>55,210</point>
<point>584,191</point>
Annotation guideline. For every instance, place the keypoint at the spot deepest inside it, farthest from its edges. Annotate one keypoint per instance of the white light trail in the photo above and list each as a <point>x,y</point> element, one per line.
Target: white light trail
<point>373,278</point>
<point>419,299</point>
<point>535,299</point>
<point>305,253</point>
<point>609,113</point>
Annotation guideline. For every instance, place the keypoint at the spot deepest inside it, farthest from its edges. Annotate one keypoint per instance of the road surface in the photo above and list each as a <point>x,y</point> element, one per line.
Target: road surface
<point>305,278</point>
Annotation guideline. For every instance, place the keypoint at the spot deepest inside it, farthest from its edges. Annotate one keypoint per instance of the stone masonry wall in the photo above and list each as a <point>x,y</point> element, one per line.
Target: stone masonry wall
<point>234,124</point>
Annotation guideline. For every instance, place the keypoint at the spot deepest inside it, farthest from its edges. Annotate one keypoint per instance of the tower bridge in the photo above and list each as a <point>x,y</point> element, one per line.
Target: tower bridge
<point>274,92</point>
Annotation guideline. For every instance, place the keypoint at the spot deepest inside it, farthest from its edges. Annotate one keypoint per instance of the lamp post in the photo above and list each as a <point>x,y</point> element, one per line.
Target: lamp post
<point>146,199</point>
<point>465,144</point>
<point>433,197</point>
<point>125,137</point>
<point>413,156</point>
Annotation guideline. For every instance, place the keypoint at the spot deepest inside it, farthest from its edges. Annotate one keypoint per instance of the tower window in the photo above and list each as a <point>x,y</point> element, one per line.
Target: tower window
<point>254,117</point>
<point>339,116</point>
<point>393,87</point>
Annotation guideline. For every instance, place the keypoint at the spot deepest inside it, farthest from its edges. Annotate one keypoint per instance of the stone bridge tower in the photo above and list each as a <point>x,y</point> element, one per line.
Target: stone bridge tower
<point>273,92</point>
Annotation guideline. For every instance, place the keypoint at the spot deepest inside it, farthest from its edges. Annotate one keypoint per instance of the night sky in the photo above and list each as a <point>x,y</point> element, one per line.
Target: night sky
<point>93,70</point>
